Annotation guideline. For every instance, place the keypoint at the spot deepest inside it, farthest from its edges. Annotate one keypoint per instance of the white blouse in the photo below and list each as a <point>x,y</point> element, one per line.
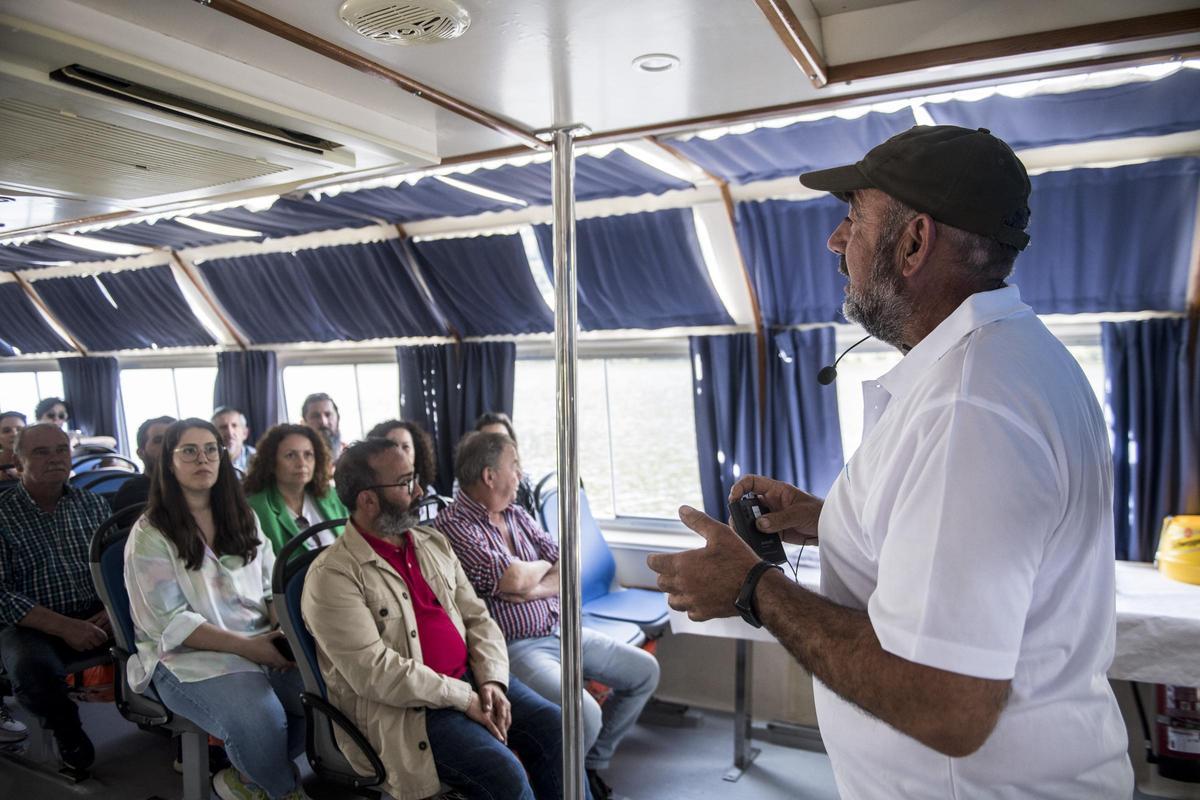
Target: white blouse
<point>169,601</point>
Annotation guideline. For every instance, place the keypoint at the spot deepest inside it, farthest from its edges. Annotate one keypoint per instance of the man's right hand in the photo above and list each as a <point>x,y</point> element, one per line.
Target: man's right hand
<point>475,711</point>
<point>793,514</point>
<point>81,634</point>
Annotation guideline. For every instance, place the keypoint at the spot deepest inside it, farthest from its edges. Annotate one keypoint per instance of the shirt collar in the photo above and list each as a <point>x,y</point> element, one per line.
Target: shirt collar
<point>471,507</point>
<point>979,309</point>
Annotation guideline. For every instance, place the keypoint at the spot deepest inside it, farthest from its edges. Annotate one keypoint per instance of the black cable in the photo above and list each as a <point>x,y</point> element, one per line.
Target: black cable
<point>1137,699</point>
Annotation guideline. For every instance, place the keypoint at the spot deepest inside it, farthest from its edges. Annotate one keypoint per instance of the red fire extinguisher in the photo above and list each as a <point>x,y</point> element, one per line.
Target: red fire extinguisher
<point>1177,732</point>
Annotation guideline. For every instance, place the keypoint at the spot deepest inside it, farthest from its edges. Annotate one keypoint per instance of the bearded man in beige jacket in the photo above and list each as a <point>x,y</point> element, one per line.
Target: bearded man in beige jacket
<point>411,655</point>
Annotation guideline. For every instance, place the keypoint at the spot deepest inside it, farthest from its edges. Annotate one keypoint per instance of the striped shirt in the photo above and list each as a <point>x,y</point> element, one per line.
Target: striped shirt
<point>44,557</point>
<point>484,555</point>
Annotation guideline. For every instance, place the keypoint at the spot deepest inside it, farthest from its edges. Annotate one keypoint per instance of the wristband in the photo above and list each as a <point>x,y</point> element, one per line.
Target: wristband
<point>745,599</point>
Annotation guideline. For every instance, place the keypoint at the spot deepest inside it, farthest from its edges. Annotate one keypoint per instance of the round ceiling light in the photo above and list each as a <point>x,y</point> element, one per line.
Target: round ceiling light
<point>656,62</point>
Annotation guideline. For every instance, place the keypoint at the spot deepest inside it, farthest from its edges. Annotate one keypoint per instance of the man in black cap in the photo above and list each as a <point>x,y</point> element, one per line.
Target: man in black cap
<point>967,586</point>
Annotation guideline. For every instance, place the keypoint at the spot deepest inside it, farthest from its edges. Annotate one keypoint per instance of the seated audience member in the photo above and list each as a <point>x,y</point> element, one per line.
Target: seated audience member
<point>288,486</point>
<point>513,565</point>
<point>11,423</point>
<point>415,443</point>
<point>198,570</point>
<point>231,424</point>
<point>53,411</point>
<point>149,447</point>
<point>410,653</point>
<point>50,614</point>
<point>499,422</point>
<point>320,413</point>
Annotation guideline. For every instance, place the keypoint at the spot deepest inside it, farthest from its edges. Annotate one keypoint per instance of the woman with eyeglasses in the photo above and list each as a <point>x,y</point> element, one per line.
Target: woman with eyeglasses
<point>53,410</point>
<point>198,571</point>
<point>288,486</point>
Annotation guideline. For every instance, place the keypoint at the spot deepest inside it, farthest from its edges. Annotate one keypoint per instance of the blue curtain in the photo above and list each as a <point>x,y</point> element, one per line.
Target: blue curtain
<point>445,387</point>
<point>44,253</point>
<point>794,274</point>
<point>766,153</point>
<point>640,271</point>
<point>249,382</point>
<point>1116,239</point>
<point>725,380</point>
<point>1153,398</point>
<point>92,386</point>
<point>22,327</point>
<point>128,310</point>
<point>483,284</point>
<point>617,174</point>
<point>428,198</point>
<point>323,294</point>
<point>1143,108</point>
<point>802,438</point>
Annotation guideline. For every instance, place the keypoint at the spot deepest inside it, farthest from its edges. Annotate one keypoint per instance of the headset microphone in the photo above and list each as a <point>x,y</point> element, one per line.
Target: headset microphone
<point>828,374</point>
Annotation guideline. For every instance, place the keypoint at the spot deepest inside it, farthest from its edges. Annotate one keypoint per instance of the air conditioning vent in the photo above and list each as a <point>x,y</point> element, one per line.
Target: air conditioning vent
<point>71,153</point>
<point>390,22</point>
<point>111,86</point>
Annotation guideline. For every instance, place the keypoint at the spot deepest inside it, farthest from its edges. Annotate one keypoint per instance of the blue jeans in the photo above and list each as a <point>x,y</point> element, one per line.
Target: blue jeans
<point>473,761</point>
<point>257,715</point>
<point>631,672</point>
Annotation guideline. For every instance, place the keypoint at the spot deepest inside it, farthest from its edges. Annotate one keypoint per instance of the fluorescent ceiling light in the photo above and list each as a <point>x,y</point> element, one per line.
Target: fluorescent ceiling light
<point>99,245</point>
<point>479,190</point>
<point>220,230</point>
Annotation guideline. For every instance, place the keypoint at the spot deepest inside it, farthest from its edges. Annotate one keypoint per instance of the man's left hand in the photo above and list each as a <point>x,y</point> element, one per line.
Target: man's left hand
<point>704,582</point>
<point>495,705</point>
<point>100,620</point>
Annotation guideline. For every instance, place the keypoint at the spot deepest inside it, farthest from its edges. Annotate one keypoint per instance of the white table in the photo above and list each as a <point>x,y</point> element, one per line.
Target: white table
<point>1158,639</point>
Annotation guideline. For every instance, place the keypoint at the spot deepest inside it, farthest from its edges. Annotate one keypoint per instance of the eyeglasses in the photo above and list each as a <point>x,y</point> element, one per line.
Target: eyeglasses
<point>406,482</point>
<point>189,453</point>
<point>52,415</point>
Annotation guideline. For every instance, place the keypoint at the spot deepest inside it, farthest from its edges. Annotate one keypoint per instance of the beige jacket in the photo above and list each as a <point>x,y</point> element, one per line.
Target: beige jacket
<point>360,614</point>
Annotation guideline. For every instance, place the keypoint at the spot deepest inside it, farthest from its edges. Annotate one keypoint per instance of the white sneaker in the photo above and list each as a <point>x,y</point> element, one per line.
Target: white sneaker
<point>11,729</point>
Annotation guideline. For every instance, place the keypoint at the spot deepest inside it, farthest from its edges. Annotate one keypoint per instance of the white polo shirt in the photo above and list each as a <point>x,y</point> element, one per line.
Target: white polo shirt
<point>974,525</point>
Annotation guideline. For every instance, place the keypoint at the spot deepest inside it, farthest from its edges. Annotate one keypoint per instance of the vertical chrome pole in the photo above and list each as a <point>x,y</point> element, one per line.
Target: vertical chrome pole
<point>565,327</point>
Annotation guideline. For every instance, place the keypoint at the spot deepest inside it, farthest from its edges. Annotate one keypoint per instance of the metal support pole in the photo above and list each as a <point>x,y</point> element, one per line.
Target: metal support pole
<point>743,713</point>
<point>565,329</point>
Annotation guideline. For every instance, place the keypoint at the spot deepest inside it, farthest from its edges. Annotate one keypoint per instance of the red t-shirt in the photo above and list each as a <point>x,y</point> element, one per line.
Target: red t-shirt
<point>441,644</point>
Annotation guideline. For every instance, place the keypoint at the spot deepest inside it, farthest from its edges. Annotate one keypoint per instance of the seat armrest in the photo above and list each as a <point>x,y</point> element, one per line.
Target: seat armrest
<point>315,704</point>
<point>136,708</point>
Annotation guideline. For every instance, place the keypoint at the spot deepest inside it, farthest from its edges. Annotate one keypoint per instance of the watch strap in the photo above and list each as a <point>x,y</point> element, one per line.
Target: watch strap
<point>745,599</point>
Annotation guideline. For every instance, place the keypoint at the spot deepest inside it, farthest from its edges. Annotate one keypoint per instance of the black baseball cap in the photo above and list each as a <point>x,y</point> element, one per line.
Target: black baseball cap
<point>965,178</point>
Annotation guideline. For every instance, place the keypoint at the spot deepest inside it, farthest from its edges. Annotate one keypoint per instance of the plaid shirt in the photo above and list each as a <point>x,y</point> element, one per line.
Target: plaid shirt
<point>44,557</point>
<point>484,555</point>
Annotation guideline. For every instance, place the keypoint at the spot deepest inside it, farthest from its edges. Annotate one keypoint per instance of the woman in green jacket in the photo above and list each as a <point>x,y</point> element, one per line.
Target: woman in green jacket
<point>288,485</point>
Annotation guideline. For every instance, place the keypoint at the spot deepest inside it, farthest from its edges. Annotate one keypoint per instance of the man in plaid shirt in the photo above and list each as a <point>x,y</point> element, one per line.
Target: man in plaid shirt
<point>513,565</point>
<point>50,613</point>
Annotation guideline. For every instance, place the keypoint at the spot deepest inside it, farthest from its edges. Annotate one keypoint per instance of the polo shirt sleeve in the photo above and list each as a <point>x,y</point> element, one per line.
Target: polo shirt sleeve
<point>970,517</point>
<point>156,600</point>
<point>483,564</point>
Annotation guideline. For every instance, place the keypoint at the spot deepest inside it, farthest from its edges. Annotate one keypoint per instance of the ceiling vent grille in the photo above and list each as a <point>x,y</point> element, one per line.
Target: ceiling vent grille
<point>74,154</point>
<point>390,22</point>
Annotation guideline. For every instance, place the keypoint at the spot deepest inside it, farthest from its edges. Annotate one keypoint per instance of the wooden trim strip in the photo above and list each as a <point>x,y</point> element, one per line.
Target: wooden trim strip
<point>273,25</point>
<point>190,271</point>
<point>1121,30</point>
<point>60,329</point>
<point>791,32</point>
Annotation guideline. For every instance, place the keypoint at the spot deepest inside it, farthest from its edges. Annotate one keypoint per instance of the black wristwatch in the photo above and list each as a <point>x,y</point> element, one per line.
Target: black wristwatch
<point>745,599</point>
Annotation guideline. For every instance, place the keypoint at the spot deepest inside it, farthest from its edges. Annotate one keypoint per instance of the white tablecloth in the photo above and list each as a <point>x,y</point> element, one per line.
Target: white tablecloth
<point>1158,623</point>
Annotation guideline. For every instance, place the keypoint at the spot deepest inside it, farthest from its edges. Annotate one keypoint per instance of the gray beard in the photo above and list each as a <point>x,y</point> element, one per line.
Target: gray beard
<point>881,306</point>
<point>395,520</point>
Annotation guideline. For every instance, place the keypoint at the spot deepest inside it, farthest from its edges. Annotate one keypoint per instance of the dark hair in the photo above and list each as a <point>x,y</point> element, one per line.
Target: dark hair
<point>262,468</point>
<point>236,528</point>
<point>477,451</point>
<point>7,414</point>
<point>424,459</point>
<point>496,418</point>
<point>143,431</point>
<point>48,403</point>
<point>354,473</point>
<point>317,397</point>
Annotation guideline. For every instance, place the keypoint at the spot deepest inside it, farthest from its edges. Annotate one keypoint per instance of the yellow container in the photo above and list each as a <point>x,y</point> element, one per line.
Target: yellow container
<point>1179,548</point>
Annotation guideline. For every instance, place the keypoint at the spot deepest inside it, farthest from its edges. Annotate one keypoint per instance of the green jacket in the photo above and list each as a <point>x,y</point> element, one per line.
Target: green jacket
<point>277,521</point>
